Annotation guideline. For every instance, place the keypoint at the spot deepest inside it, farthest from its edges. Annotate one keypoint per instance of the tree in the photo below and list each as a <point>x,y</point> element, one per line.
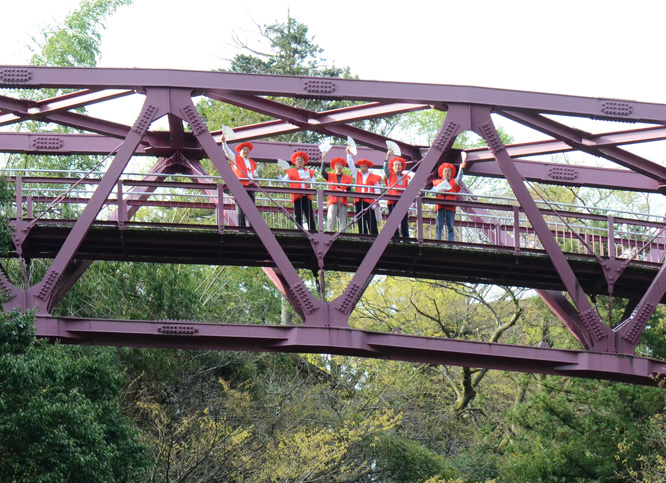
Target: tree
<point>284,49</point>
<point>61,417</point>
<point>289,51</point>
<point>573,429</point>
<point>77,41</point>
<point>74,43</point>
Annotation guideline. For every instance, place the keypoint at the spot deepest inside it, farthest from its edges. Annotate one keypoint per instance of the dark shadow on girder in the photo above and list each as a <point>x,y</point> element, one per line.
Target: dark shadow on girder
<point>434,260</point>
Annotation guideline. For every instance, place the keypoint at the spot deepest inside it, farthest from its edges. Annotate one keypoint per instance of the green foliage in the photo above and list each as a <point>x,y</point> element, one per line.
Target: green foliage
<point>169,291</point>
<point>653,339</point>
<point>74,43</point>
<point>6,198</point>
<point>60,417</point>
<point>77,41</point>
<point>407,460</point>
<point>290,52</point>
<point>16,332</point>
<point>421,127</point>
<point>287,49</point>
<point>570,430</point>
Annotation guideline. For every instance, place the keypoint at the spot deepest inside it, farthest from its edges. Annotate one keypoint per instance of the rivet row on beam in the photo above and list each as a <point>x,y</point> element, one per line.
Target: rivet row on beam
<point>15,76</point>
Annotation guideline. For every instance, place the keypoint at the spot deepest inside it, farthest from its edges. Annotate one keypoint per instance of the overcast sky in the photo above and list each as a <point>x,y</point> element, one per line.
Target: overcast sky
<point>591,48</point>
<point>584,47</point>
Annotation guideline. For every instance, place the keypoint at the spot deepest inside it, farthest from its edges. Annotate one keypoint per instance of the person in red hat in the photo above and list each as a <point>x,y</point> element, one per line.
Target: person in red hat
<point>337,205</point>
<point>396,180</point>
<point>245,170</point>
<point>369,183</point>
<point>446,213</point>
<point>300,178</point>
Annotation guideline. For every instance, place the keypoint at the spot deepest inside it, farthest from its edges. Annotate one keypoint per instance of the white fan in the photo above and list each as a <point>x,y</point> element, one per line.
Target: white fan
<point>283,164</point>
<point>325,146</point>
<point>228,132</point>
<point>378,211</point>
<point>393,146</point>
<point>352,145</point>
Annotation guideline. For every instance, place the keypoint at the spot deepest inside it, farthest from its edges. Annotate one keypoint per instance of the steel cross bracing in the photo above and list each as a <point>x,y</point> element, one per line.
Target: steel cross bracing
<point>169,94</point>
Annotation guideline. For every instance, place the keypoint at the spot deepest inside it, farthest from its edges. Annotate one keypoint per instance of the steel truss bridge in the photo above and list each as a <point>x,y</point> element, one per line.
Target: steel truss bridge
<point>178,212</point>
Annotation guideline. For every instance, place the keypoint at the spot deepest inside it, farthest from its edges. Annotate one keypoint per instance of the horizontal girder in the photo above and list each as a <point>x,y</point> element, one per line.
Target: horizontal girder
<point>351,342</point>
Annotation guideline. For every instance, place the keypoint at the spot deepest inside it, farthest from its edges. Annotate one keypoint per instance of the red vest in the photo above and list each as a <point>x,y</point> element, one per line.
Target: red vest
<point>240,170</point>
<point>332,181</point>
<point>372,180</point>
<point>454,189</point>
<point>398,188</point>
<point>294,176</point>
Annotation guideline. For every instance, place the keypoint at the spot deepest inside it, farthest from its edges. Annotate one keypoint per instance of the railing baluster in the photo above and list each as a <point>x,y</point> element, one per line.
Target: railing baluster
<point>516,230</point>
<point>219,213</point>
<point>122,207</point>
<point>419,219</point>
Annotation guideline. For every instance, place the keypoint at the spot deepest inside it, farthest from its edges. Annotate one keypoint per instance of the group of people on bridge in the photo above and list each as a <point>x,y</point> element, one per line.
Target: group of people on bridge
<point>367,209</point>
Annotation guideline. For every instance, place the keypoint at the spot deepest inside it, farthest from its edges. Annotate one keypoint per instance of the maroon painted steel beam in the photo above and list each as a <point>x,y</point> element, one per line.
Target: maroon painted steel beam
<point>351,342</point>
<point>41,294</point>
<point>581,141</point>
<point>345,303</point>
<point>313,87</point>
<point>331,123</point>
<point>631,329</point>
<point>59,144</point>
<point>71,119</point>
<point>65,102</point>
<point>614,138</point>
<point>331,117</point>
<point>543,172</point>
<point>558,304</point>
<point>570,175</point>
<point>595,334</point>
<point>309,307</point>
<point>77,268</point>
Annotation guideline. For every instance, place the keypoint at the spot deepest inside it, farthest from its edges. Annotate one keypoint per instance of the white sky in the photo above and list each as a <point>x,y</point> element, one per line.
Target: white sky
<point>590,48</point>
<point>585,47</point>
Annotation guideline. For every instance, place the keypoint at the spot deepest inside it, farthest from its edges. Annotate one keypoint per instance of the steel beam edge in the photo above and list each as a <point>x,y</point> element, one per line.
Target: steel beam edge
<point>350,342</point>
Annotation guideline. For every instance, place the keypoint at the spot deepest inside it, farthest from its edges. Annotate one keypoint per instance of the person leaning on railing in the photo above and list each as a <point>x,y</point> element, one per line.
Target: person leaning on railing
<point>396,181</point>
<point>447,213</point>
<point>300,178</point>
<point>369,183</point>
<point>337,205</point>
<point>244,168</point>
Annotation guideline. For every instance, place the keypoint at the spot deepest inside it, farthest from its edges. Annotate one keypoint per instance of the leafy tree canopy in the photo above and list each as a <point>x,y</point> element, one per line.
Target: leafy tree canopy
<point>77,41</point>
<point>60,411</point>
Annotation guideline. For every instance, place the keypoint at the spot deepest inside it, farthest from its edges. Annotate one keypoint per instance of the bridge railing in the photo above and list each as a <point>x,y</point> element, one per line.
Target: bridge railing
<point>181,200</point>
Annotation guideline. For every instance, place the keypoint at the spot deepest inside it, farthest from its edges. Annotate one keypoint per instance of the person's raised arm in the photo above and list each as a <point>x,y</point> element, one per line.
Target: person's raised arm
<point>352,164</point>
<point>322,169</point>
<point>387,169</point>
<point>459,178</point>
<point>227,151</point>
